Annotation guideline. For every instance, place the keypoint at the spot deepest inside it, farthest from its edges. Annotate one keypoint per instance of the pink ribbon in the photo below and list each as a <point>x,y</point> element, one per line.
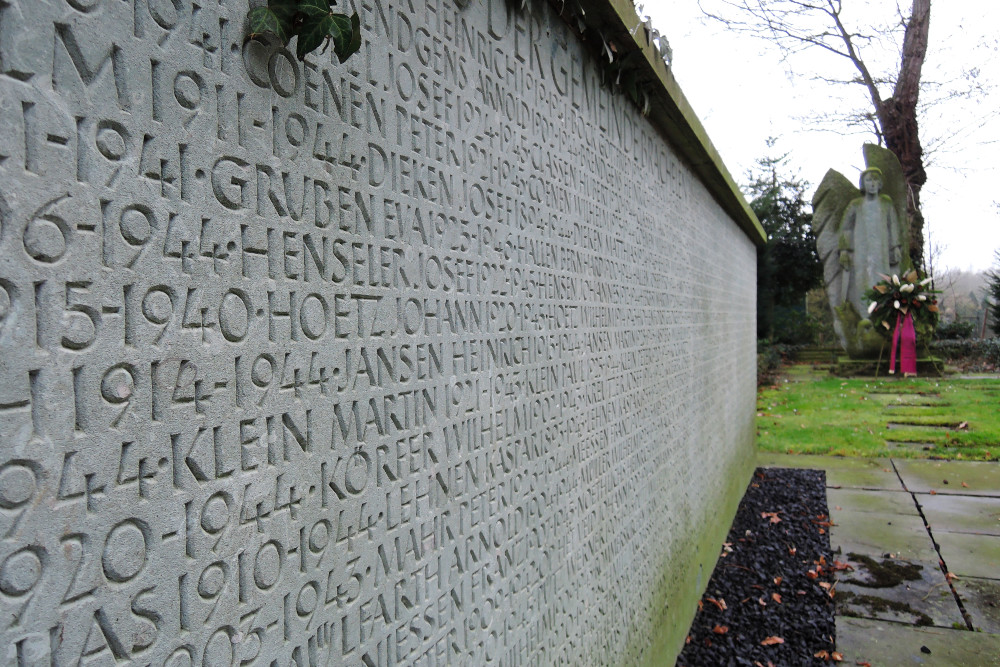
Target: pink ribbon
<point>905,336</point>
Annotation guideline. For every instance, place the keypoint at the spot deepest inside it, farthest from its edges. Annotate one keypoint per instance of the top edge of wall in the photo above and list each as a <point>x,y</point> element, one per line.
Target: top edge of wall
<point>669,109</point>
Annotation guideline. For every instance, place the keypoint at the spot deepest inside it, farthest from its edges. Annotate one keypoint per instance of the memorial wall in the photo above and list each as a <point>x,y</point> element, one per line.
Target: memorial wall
<point>444,355</point>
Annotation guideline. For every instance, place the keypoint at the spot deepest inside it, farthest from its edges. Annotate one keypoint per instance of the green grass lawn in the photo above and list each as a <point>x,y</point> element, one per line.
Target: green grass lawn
<point>811,412</point>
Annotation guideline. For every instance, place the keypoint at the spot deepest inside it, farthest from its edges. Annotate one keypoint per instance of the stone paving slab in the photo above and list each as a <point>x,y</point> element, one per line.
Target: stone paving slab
<point>910,446</point>
<point>971,555</point>
<point>982,478</point>
<point>887,644</point>
<point>908,400</point>
<point>862,500</point>
<point>897,590</point>
<point>875,534</point>
<point>848,473</point>
<point>961,514</point>
<point>981,598</point>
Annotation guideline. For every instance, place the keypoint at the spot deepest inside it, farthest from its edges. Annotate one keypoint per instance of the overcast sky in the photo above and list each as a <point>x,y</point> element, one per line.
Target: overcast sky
<point>743,93</point>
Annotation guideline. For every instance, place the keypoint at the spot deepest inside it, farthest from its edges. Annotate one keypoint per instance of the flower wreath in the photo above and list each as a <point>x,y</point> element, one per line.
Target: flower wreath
<point>892,297</point>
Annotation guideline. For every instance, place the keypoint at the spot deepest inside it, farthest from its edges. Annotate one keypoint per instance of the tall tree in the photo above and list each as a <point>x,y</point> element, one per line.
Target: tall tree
<point>798,24</point>
<point>787,265</point>
<point>993,294</point>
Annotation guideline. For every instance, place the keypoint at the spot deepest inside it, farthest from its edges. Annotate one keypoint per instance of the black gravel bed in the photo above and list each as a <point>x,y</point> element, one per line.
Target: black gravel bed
<point>769,601</point>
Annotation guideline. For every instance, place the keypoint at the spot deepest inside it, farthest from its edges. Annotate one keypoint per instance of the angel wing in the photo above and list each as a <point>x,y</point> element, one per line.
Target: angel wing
<point>832,196</point>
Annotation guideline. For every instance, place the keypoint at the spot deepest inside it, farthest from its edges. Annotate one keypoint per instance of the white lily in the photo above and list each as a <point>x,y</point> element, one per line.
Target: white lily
<point>872,307</point>
<point>895,304</point>
<point>908,287</point>
<point>895,279</point>
<point>921,297</point>
<point>926,280</point>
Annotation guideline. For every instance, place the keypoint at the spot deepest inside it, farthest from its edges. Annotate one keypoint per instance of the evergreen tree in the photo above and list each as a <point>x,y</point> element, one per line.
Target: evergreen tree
<point>993,294</point>
<point>787,265</point>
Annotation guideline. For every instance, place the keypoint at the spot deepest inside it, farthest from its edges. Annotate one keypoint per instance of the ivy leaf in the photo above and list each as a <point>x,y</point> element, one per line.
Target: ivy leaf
<point>311,35</point>
<point>286,11</point>
<point>339,30</point>
<point>315,9</point>
<point>265,19</point>
<point>350,40</point>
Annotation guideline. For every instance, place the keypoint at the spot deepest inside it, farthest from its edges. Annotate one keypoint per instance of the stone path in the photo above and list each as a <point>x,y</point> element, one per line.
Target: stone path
<point>903,410</point>
<point>923,538</point>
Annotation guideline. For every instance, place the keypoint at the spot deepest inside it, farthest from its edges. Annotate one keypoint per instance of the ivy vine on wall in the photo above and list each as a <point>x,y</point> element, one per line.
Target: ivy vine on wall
<point>313,21</point>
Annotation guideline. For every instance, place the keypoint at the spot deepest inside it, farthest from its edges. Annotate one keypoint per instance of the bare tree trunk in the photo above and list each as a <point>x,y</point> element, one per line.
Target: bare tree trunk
<point>898,117</point>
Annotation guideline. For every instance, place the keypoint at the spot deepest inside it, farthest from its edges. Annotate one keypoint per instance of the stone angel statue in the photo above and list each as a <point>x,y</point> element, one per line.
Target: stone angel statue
<point>859,237</point>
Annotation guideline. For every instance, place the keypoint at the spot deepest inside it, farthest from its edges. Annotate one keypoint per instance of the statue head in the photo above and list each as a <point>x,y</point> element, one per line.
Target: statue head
<point>870,181</point>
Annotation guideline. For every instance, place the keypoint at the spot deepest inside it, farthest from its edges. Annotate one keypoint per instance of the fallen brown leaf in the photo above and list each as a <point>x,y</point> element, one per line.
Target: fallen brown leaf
<point>720,629</point>
<point>950,576</point>
<point>822,655</point>
<point>826,584</point>
<point>792,550</point>
<point>687,640</point>
<point>965,485</point>
<point>701,605</point>
<point>863,663</point>
<point>720,603</point>
<point>933,492</point>
<point>777,581</point>
<point>837,656</point>
<point>776,597</point>
<point>761,602</point>
<point>812,574</point>
<point>771,641</point>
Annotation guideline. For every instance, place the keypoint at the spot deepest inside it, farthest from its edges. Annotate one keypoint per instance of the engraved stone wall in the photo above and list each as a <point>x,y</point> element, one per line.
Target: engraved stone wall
<point>435,357</point>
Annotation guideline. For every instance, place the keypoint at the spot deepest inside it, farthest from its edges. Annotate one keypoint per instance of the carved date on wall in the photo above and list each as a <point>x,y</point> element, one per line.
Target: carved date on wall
<point>308,363</point>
